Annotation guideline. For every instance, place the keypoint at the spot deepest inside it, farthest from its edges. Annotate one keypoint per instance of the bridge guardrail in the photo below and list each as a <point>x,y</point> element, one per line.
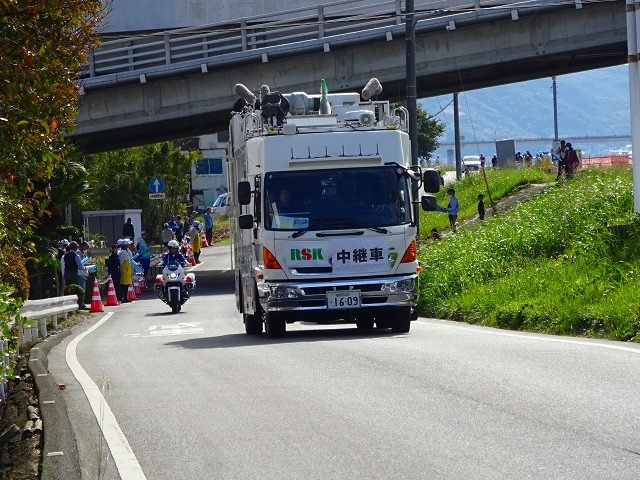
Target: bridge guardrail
<point>129,60</point>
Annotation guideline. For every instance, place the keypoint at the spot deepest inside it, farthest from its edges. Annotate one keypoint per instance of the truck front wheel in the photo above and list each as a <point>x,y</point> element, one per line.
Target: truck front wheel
<point>252,323</point>
<point>402,321</point>
<point>275,325</point>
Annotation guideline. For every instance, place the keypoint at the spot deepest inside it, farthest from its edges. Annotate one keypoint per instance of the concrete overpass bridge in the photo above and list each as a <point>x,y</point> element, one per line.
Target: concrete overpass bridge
<point>180,83</point>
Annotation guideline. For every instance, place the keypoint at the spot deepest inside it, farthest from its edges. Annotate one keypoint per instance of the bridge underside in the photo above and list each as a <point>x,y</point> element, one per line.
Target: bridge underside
<point>470,57</point>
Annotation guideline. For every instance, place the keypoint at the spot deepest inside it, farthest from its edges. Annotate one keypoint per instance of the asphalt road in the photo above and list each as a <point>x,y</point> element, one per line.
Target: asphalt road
<point>196,398</point>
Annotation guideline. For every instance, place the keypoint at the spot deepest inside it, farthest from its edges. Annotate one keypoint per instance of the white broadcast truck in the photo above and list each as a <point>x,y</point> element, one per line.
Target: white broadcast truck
<point>322,206</point>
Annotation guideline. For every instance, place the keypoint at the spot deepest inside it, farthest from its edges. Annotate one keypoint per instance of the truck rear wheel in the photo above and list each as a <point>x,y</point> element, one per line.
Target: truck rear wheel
<point>252,323</point>
<point>275,325</point>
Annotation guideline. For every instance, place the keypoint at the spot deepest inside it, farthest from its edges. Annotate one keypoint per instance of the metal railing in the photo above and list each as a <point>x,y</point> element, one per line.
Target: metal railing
<point>40,312</point>
<point>229,42</point>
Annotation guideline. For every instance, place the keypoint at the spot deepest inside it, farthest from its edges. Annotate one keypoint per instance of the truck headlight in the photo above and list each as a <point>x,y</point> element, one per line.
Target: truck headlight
<point>402,286</point>
<point>282,292</point>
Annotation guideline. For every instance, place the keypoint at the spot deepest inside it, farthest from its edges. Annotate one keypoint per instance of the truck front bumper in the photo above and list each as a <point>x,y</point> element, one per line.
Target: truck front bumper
<point>311,296</point>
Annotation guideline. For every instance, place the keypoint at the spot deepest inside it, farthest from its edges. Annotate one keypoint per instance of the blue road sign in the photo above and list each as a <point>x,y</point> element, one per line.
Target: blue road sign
<point>156,185</point>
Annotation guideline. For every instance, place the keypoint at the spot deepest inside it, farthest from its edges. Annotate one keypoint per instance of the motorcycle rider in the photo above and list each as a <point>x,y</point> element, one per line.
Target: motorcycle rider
<point>173,255</point>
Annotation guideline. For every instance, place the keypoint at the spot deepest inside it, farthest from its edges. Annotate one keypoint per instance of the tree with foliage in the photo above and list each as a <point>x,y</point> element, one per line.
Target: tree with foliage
<point>120,180</point>
<point>429,130</point>
<point>44,45</point>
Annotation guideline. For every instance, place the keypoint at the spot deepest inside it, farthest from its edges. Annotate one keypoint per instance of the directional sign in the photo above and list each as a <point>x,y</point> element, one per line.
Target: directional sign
<point>156,185</point>
<point>156,196</point>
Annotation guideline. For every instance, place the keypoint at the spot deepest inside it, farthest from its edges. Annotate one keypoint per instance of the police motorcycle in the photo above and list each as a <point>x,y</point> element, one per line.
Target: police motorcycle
<point>174,287</point>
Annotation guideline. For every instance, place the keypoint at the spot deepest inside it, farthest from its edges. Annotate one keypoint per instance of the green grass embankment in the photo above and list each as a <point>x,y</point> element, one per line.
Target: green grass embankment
<point>550,265</point>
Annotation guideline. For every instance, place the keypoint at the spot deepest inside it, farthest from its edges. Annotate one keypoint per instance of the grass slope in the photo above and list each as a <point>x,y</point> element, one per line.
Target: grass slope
<point>549,265</point>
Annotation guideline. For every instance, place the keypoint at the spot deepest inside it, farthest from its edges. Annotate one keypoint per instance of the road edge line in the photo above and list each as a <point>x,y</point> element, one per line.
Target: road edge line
<point>123,456</point>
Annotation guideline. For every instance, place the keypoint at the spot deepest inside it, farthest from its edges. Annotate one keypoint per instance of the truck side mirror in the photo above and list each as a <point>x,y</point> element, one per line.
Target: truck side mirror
<point>245,222</point>
<point>429,203</point>
<point>431,181</point>
<point>244,193</point>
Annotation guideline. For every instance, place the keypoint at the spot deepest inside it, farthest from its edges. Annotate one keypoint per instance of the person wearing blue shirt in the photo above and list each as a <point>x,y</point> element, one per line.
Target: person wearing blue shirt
<point>173,255</point>
<point>173,225</point>
<point>208,225</point>
<point>452,208</point>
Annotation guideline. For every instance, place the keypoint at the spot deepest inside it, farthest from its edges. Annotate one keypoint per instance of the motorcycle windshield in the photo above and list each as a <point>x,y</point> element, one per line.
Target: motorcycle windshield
<point>337,198</point>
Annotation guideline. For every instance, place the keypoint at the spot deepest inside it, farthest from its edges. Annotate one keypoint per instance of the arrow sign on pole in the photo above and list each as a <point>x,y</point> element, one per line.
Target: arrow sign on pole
<point>156,185</point>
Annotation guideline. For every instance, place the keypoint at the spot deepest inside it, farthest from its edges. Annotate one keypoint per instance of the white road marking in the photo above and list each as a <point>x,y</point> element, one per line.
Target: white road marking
<point>533,336</point>
<point>125,459</point>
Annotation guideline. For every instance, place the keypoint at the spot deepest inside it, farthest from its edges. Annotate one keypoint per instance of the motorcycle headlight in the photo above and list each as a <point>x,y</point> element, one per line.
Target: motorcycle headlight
<point>173,276</point>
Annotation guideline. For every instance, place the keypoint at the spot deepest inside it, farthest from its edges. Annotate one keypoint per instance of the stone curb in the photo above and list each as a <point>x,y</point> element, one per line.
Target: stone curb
<point>59,453</point>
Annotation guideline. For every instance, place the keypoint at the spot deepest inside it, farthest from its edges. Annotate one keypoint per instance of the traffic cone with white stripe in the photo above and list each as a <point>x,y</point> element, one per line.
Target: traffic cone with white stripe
<point>96,301</point>
<point>131,294</point>
<point>143,282</point>
<point>112,299</point>
<point>204,242</point>
<point>136,285</point>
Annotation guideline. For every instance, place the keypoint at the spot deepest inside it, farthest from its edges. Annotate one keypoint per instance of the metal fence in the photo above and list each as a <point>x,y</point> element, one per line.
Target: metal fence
<point>228,42</point>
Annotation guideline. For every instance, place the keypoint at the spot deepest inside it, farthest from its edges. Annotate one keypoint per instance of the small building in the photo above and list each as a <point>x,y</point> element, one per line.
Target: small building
<point>107,224</point>
<point>209,174</point>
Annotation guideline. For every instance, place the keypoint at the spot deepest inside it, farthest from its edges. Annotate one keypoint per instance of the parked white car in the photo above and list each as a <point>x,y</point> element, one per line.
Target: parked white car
<point>220,205</point>
<point>472,162</point>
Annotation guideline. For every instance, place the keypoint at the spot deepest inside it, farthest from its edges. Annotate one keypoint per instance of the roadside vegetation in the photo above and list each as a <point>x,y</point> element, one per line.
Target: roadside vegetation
<point>549,265</point>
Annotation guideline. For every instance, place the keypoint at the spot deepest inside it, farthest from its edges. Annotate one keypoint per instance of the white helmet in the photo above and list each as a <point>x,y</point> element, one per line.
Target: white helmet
<point>173,244</point>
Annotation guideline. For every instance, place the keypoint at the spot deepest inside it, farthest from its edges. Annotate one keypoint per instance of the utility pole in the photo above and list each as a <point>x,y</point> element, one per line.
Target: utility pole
<point>412,99</point>
<point>456,133</point>
<point>555,109</point>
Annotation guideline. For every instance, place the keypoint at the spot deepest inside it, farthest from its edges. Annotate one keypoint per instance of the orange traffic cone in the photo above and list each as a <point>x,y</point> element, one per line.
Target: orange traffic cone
<point>136,285</point>
<point>96,301</point>
<point>143,282</point>
<point>112,299</point>
<point>204,242</point>
<point>191,260</point>
<point>131,294</point>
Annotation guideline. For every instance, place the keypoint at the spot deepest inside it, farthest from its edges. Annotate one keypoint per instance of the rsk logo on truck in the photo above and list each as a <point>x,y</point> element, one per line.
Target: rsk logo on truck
<point>306,254</point>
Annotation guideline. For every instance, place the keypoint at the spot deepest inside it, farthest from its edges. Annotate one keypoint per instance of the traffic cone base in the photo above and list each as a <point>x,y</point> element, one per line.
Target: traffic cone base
<point>131,294</point>
<point>112,299</point>
<point>96,301</point>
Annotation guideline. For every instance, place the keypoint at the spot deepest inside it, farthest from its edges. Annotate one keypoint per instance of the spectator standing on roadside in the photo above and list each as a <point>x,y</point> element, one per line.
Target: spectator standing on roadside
<point>167,234</point>
<point>196,241</point>
<point>482,161</point>
<point>180,229</point>
<point>172,224</point>
<point>83,275</point>
<point>113,268</point>
<point>452,208</point>
<point>494,161</point>
<point>126,269</point>
<point>572,160</point>
<point>72,265</point>
<point>481,206</point>
<point>127,230</point>
<point>208,225</point>
<point>561,153</point>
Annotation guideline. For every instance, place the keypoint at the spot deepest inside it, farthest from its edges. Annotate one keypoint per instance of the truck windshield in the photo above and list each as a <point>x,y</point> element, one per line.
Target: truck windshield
<point>337,199</point>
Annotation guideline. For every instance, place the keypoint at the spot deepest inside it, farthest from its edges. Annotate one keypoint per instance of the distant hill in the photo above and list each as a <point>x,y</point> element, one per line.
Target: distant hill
<point>595,102</point>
